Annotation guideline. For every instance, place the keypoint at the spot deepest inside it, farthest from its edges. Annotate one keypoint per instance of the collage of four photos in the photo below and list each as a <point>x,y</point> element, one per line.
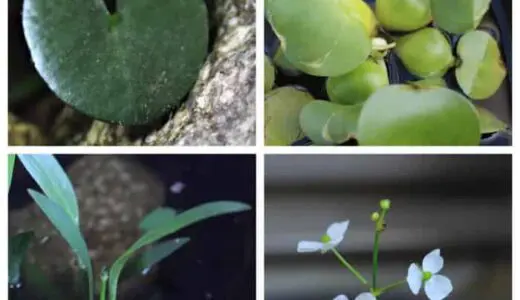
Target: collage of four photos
<point>259,149</point>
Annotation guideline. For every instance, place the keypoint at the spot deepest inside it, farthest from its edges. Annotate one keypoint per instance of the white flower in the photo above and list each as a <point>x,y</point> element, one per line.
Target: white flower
<point>437,287</point>
<point>334,236</point>
<point>362,296</point>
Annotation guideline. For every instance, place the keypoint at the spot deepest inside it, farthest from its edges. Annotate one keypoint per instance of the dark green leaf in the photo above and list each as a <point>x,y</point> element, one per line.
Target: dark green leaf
<point>129,68</point>
<point>10,167</point>
<point>53,181</point>
<point>157,218</point>
<point>69,231</point>
<point>182,220</point>
<point>18,246</point>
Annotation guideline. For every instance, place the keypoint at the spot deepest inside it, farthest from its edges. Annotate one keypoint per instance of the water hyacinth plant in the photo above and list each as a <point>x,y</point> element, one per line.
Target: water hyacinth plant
<point>351,45</point>
<point>426,274</point>
<point>59,203</point>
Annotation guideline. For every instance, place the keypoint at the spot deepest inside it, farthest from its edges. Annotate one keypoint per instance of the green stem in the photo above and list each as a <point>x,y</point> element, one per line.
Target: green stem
<point>391,286</point>
<point>350,267</point>
<point>104,280</point>
<point>375,253</point>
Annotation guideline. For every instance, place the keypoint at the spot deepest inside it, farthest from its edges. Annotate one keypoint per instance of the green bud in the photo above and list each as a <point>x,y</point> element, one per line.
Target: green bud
<point>427,276</point>
<point>375,216</point>
<point>385,204</point>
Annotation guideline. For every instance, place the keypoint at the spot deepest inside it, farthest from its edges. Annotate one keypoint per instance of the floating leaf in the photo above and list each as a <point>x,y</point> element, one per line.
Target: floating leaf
<point>327,123</point>
<point>355,87</point>
<point>459,16</point>
<point>316,34</point>
<point>10,167</point>
<point>489,123</point>
<point>429,82</point>
<point>18,246</point>
<point>406,115</point>
<point>283,64</point>
<point>69,231</point>
<point>403,15</point>
<point>269,74</point>
<point>157,218</point>
<point>425,53</point>
<point>130,67</point>
<point>482,71</point>
<point>282,112</point>
<point>54,182</point>
<point>181,221</point>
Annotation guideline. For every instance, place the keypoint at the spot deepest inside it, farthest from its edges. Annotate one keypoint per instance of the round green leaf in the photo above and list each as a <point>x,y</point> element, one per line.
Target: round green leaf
<point>327,123</point>
<point>481,71</point>
<point>425,53</point>
<point>459,16</point>
<point>356,86</point>
<point>130,67</point>
<point>282,110</point>
<point>320,37</point>
<point>403,15</point>
<point>269,74</point>
<point>407,115</point>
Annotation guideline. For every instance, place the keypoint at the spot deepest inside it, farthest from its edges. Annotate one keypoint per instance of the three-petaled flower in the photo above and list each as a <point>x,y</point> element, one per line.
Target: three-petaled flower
<point>362,296</point>
<point>334,236</point>
<point>436,287</point>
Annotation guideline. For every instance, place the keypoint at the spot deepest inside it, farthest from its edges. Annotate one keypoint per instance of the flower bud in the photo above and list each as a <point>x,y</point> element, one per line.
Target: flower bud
<point>385,204</point>
<point>375,216</point>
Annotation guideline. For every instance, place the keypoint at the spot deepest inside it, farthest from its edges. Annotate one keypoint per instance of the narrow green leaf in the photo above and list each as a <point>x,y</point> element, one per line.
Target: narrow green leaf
<point>10,167</point>
<point>69,231</point>
<point>181,221</point>
<point>53,180</point>
<point>157,218</point>
<point>140,264</point>
<point>18,246</point>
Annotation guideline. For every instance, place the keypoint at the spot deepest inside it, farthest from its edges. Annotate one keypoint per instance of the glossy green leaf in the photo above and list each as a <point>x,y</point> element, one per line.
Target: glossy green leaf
<point>459,16</point>
<point>129,68</point>
<point>315,35</point>
<point>406,115</point>
<point>157,218</point>
<point>282,111</point>
<point>403,15</point>
<point>489,123</point>
<point>54,182</point>
<point>355,87</point>
<point>327,123</point>
<point>269,74</point>
<point>10,168</point>
<point>18,246</point>
<point>425,53</point>
<point>181,221</point>
<point>141,264</point>
<point>481,71</point>
<point>69,231</point>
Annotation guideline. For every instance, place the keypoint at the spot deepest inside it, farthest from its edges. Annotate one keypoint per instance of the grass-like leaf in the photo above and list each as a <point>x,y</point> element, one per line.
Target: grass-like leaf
<point>69,231</point>
<point>53,180</point>
<point>10,168</point>
<point>181,221</point>
<point>157,218</point>
<point>139,265</point>
<point>18,246</point>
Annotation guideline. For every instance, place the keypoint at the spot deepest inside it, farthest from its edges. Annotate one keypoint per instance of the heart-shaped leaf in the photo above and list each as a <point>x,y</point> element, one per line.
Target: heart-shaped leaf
<point>130,67</point>
<point>481,71</point>
<point>282,112</point>
<point>182,220</point>
<point>18,246</point>
<point>407,115</point>
<point>69,231</point>
<point>459,16</point>
<point>322,38</point>
<point>489,123</point>
<point>327,123</point>
<point>10,168</point>
<point>54,182</point>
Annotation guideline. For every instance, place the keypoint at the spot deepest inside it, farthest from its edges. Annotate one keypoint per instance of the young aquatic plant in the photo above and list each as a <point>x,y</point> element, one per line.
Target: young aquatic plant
<point>58,202</point>
<point>127,67</point>
<point>459,16</point>
<point>436,286</point>
<point>403,15</point>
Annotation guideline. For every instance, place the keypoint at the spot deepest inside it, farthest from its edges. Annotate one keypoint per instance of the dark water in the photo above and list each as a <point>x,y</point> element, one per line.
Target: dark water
<point>219,261</point>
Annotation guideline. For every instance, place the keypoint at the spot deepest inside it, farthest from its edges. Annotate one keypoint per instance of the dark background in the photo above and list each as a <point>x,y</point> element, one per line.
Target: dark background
<point>459,203</point>
<point>219,260</point>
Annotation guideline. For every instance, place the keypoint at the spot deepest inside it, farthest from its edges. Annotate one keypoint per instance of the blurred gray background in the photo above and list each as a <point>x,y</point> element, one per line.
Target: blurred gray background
<point>459,203</point>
